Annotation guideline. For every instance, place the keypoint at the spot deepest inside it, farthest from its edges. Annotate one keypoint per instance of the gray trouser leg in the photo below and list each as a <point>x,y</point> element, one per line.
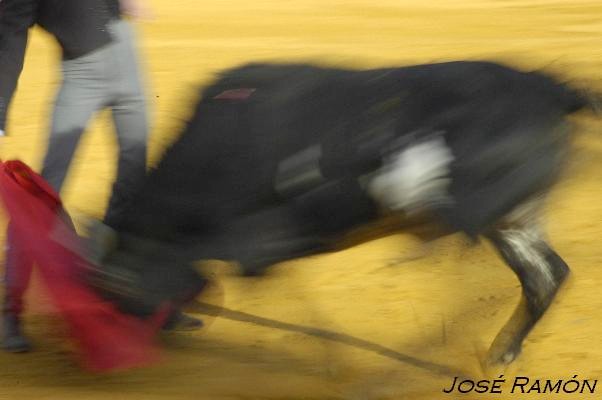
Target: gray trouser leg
<point>82,93</point>
<point>129,111</point>
<point>69,122</point>
<point>130,122</point>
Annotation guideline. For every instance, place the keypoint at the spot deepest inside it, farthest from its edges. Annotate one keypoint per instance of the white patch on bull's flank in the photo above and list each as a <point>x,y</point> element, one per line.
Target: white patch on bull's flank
<point>414,178</point>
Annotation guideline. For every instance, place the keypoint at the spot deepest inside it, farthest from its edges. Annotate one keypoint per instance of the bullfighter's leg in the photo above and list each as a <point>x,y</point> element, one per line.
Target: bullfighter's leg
<point>81,94</point>
<point>522,244</point>
<point>18,267</point>
<point>130,116</point>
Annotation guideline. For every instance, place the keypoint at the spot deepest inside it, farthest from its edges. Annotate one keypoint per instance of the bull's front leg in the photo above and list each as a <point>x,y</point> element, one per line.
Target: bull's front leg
<point>540,271</point>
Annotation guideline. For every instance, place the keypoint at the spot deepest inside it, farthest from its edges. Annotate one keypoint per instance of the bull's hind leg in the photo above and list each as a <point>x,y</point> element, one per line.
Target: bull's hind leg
<point>540,270</point>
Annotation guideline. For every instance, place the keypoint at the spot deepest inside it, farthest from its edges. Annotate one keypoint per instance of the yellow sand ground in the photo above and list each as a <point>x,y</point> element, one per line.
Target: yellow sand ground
<point>436,314</point>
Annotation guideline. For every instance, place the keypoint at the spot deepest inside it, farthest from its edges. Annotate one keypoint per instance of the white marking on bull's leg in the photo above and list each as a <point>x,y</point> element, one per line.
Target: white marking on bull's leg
<point>527,216</point>
<point>521,242</point>
<point>522,232</point>
<point>526,244</point>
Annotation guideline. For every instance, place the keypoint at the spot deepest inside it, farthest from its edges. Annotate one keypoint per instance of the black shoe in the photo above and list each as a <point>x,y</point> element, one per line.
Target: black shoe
<point>179,321</point>
<point>13,339</point>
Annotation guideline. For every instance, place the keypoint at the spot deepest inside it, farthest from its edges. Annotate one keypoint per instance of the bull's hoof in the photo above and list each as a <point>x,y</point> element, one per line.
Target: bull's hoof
<point>496,357</point>
<point>507,358</point>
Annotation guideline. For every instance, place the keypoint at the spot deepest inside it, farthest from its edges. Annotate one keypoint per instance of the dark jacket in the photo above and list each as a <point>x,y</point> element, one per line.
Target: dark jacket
<point>80,26</point>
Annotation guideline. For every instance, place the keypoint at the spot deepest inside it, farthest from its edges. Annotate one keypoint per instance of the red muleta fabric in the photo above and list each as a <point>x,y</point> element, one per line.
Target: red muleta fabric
<point>107,339</point>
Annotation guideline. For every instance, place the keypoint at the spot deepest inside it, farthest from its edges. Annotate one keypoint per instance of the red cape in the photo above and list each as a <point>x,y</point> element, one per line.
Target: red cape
<point>107,338</point>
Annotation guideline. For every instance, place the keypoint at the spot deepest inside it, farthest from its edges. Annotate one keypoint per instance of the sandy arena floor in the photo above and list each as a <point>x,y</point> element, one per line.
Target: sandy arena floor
<point>436,315</point>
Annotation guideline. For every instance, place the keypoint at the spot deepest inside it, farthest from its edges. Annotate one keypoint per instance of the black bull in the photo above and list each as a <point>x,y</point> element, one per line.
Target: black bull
<point>280,160</point>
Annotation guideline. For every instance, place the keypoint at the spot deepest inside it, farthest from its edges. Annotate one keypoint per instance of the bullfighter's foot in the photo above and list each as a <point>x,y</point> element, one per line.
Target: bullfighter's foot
<point>13,339</point>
